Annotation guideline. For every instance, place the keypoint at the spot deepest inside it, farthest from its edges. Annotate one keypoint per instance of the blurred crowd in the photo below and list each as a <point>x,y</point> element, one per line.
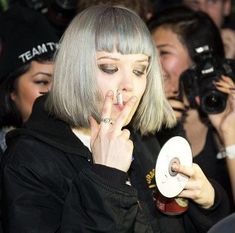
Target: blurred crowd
<point>195,47</point>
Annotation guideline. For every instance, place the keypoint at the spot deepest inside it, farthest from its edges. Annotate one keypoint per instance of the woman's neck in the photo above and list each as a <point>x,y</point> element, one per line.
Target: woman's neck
<point>83,135</point>
<point>83,131</point>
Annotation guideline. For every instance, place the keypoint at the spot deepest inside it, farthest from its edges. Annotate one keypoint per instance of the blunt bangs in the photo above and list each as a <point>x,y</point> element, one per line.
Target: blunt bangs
<point>126,33</point>
<point>74,94</point>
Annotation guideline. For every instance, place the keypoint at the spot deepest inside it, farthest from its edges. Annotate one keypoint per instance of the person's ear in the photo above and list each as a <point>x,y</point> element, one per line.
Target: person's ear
<point>13,96</point>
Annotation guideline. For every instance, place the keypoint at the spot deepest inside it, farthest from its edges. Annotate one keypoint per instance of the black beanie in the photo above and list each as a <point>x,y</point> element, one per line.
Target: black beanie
<point>24,35</point>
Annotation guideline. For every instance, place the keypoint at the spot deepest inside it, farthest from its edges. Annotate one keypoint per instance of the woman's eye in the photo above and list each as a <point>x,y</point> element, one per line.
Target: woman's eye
<point>138,72</point>
<point>109,69</point>
<point>162,53</point>
<point>42,82</point>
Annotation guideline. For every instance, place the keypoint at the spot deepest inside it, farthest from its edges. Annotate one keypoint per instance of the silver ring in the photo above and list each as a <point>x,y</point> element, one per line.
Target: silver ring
<point>107,120</point>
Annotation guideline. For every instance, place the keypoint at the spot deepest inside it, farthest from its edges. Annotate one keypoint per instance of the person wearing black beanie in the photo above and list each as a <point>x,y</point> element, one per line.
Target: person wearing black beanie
<point>28,43</point>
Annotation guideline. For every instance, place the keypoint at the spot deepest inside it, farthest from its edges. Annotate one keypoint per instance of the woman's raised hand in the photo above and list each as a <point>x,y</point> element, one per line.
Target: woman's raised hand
<point>225,122</point>
<point>110,144</point>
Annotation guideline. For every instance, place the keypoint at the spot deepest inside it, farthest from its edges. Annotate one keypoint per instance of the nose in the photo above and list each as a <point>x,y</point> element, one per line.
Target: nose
<point>45,90</point>
<point>126,83</point>
<point>174,90</point>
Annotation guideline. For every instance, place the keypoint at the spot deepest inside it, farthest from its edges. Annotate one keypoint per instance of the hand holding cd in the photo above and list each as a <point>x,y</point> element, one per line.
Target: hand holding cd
<point>175,151</point>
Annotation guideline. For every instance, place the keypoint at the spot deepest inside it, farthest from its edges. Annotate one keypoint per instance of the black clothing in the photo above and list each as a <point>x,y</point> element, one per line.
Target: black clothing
<point>51,185</point>
<point>226,225</point>
<point>213,167</point>
<point>1,153</point>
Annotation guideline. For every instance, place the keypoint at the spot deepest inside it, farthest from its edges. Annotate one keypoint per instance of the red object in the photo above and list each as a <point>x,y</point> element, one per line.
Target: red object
<point>170,206</point>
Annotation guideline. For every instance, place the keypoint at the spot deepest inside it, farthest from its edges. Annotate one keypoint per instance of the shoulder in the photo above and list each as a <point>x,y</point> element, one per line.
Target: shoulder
<point>28,155</point>
<point>25,147</point>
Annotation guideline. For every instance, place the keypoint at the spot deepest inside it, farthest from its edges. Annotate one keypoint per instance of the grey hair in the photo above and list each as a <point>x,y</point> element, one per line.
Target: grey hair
<point>75,95</point>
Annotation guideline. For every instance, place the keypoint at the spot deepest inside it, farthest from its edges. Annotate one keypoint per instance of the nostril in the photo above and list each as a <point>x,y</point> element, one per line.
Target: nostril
<point>176,92</point>
<point>43,92</point>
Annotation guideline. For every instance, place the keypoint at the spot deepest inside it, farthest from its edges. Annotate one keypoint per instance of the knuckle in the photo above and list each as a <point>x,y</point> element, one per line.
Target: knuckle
<point>126,132</point>
<point>131,145</point>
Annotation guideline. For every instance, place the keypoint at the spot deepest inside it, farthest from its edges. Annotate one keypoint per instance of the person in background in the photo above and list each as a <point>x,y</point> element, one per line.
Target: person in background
<point>85,159</point>
<point>26,65</point>
<point>2,134</point>
<point>178,33</point>
<point>143,8</point>
<point>159,5</point>
<point>219,11</point>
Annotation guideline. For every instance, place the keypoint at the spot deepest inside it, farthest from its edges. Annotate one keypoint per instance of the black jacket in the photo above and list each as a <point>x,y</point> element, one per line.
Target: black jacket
<point>51,185</point>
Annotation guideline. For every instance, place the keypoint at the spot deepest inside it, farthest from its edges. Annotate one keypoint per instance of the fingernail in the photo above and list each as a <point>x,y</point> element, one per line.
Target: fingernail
<point>174,167</point>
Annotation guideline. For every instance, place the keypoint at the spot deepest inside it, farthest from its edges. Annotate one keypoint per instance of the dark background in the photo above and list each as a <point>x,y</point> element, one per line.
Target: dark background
<point>60,12</point>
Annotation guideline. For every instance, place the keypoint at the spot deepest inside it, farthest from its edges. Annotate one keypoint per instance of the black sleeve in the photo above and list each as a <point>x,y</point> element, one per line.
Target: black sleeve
<point>94,205</point>
<point>30,204</point>
<point>203,219</point>
<point>38,198</point>
<point>33,188</point>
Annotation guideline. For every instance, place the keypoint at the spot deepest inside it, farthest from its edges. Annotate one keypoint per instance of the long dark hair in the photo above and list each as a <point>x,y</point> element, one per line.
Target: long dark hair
<point>194,28</point>
<point>9,113</point>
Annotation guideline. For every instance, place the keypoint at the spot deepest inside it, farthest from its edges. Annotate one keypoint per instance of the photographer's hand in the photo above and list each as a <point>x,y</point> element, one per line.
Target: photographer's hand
<point>228,37</point>
<point>225,122</point>
<point>178,106</point>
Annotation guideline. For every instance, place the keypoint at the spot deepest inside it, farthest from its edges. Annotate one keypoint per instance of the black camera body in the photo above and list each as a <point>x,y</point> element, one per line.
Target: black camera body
<point>198,81</point>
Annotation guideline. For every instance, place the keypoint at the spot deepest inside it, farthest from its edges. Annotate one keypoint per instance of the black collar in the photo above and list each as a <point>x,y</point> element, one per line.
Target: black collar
<point>50,130</point>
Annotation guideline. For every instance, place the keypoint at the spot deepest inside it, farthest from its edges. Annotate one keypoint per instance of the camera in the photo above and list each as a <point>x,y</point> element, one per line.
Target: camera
<point>198,81</point>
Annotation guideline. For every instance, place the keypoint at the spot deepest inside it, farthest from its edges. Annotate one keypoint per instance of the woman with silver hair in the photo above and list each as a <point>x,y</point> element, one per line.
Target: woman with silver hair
<point>84,162</point>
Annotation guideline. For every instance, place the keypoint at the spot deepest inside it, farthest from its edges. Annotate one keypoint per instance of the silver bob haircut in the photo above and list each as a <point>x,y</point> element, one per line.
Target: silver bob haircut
<point>75,95</point>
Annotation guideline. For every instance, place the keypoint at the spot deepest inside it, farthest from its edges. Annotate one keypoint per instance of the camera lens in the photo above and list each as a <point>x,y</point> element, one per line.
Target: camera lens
<point>213,102</point>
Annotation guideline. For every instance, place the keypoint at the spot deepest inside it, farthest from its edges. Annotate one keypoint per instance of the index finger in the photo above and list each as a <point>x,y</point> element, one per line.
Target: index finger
<point>125,113</point>
<point>107,107</point>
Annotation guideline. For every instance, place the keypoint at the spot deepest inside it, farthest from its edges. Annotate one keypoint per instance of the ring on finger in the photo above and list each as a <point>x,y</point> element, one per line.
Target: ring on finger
<point>107,120</point>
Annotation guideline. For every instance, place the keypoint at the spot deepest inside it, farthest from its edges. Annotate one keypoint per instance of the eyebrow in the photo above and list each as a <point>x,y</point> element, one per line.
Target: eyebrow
<point>43,73</point>
<point>164,45</point>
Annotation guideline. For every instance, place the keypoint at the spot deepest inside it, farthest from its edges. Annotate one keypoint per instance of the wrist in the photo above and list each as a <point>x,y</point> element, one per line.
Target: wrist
<point>230,151</point>
<point>228,138</point>
<point>211,198</point>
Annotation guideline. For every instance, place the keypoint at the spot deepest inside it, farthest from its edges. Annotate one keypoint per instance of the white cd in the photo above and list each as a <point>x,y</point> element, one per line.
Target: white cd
<point>175,150</point>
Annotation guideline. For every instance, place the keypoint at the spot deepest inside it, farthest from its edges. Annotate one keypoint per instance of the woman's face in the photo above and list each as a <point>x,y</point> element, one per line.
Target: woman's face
<point>174,58</point>
<point>35,82</point>
<point>122,73</point>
